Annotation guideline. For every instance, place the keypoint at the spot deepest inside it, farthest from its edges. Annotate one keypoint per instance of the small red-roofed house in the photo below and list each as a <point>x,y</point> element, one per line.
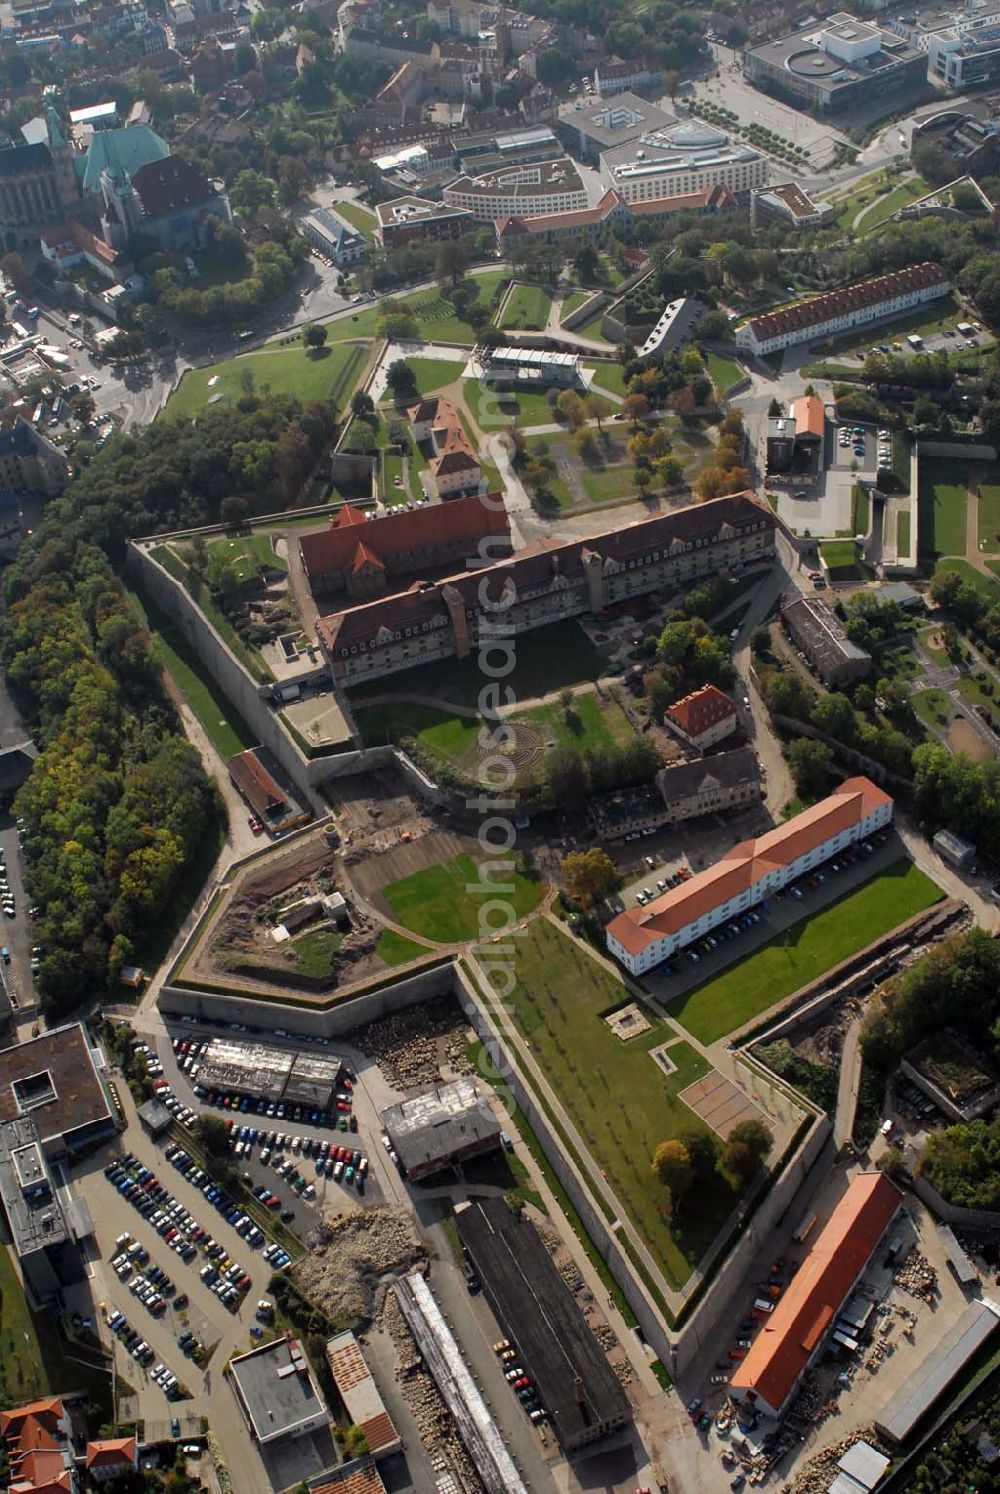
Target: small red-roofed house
<point>702,718</point>
<point>111,1457</point>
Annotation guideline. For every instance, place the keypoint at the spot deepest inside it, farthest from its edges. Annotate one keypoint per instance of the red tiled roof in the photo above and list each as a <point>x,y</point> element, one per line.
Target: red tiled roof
<point>363,556</point>
<point>255,782</point>
<point>706,707</point>
<point>789,1336</point>
<point>363,1480</point>
<point>745,864</point>
<point>810,416</point>
<point>45,1411</point>
<point>396,534</point>
<point>542,222</point>
<point>111,1452</point>
<point>836,303</point>
<point>718,197</point>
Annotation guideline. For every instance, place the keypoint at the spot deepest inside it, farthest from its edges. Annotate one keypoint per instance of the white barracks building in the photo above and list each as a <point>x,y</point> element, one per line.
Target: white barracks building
<point>642,938</point>
<point>840,310</point>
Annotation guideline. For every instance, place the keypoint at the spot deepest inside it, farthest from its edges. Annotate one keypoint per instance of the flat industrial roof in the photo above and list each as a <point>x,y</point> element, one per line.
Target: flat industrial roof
<point>29,1198</point>
<point>277,1388</point>
<point>537,1310</point>
<point>444,1121</point>
<point>53,1077</point>
<point>277,1073</point>
<point>360,1395</point>
<point>929,1380</point>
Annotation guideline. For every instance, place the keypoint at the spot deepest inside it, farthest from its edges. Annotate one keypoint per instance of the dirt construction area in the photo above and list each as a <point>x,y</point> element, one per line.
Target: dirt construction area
<point>404,859</point>
<point>963,737</point>
<point>378,811</point>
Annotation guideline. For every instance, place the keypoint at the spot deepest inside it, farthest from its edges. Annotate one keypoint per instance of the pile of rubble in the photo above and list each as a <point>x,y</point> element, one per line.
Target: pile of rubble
<point>605,1335</point>
<point>411,1047</point>
<point>351,1256</point>
<point>434,1421</point>
<point>623,1370</point>
<point>816,1476</point>
<point>917,1277</point>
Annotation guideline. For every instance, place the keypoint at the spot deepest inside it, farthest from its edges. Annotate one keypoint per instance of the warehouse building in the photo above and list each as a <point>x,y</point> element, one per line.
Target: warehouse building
<point>928,1381</point>
<point>459,1391</point>
<point>819,633</point>
<point>536,1310</point>
<point>794,1334</point>
<point>751,872</point>
<point>441,1128</point>
<point>277,1393</point>
<point>272,1074</point>
<point>360,1395</point>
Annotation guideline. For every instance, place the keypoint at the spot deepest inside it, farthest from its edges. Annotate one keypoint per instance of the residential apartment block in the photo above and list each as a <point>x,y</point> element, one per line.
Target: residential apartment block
<point>710,785</point>
<point>840,310</point>
<point>688,157</point>
<point>754,870</point>
<point>546,583</point>
<point>407,220</point>
<point>526,190</point>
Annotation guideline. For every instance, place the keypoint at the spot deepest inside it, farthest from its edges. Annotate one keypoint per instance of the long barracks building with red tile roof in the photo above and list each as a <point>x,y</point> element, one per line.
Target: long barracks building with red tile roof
<point>749,873</point>
<point>840,310</point>
<point>793,1335</point>
<point>544,584</point>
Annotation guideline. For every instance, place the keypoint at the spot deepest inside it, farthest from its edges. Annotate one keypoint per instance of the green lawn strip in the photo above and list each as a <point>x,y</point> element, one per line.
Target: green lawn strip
<point>547,659</point>
<point>843,561</point>
<point>573,302</point>
<point>324,373</point>
<point>362,218</point>
<point>903,532</point>
<point>619,1100</point>
<point>225,728</point>
<point>989,517</point>
<point>592,328</point>
<point>942,502</point>
<point>34,1357</point>
<point>973,692</point>
<point>396,949</point>
<point>521,1125</point>
<point>969,573</point>
<point>723,371</point>
<point>443,902</point>
<point>315,952</point>
<point>249,553</point>
<point>588,724</point>
<point>433,374</point>
<point>452,738</point>
<point>891,202</point>
<point>527,308</point>
<point>609,377</point>
<point>860,510</point>
<point>932,706</point>
<point>602,484</point>
<point>494,409</point>
<point>804,951</point>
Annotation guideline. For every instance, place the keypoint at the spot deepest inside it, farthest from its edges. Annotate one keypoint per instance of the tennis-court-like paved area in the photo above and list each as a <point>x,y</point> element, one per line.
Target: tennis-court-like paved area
<point>719,1103</point>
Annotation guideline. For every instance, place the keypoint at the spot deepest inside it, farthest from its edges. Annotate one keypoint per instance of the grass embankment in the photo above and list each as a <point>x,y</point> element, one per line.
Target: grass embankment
<point>443,902</point>
<point>328,373</point>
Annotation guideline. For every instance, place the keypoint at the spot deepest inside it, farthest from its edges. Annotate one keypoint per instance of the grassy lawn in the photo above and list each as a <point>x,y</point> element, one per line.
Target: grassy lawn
<point>443,902</point>
<point>315,953</point>
<point>249,553</point>
<point>433,374</point>
<point>804,951</point>
<point>32,1355</point>
<point>942,501</point>
<point>903,532</point>
<point>592,328</point>
<point>843,560</point>
<point>989,517</point>
<point>546,660</point>
<point>932,706</point>
<point>860,509</point>
<point>527,309</point>
<point>609,377</point>
<point>362,218</point>
<point>573,302</point>
<point>620,1101</point>
<point>937,656</point>
<point>891,202</point>
<point>602,484</point>
<point>324,373</point>
<point>975,578</point>
<point>977,694</point>
<point>723,371</point>
<point>226,730</point>
<point>589,723</point>
<point>395,949</point>
<point>492,408</point>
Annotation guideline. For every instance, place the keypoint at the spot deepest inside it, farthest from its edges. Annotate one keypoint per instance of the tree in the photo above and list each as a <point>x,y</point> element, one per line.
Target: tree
<point>760,642</point>
<point>362,404</point>
<point>586,262</point>
<point>812,767</point>
<point>571,408</point>
<point>704,1149</point>
<point>401,380</point>
<point>12,266</point>
<point>252,192</point>
<point>672,1167</point>
<point>834,714</point>
<point>83,406</point>
<point>314,335</point>
<point>451,261</point>
<point>212,1135</point>
<point>589,876</point>
<point>566,775</point>
<point>636,408</point>
<point>596,409</point>
<point>746,1150</point>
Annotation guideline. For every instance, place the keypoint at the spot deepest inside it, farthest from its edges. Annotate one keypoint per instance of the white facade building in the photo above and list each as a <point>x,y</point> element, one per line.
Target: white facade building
<point>965,55</point>
<point>519,191</point>
<point>688,157</point>
<point>754,870</point>
<point>841,310</point>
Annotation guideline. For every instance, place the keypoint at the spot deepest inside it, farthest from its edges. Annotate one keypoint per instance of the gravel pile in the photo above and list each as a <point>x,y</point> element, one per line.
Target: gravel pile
<point>351,1255</point>
<point>410,1047</point>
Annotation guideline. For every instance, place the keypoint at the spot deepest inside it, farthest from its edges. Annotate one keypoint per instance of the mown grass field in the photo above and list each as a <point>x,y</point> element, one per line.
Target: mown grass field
<point>324,373</point>
<point>989,517</point>
<point>249,553</point>
<point>527,309</point>
<point>617,1097</point>
<point>363,218</point>
<point>804,951</point>
<point>932,706</point>
<point>942,500</point>
<point>396,949</point>
<point>443,902</point>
